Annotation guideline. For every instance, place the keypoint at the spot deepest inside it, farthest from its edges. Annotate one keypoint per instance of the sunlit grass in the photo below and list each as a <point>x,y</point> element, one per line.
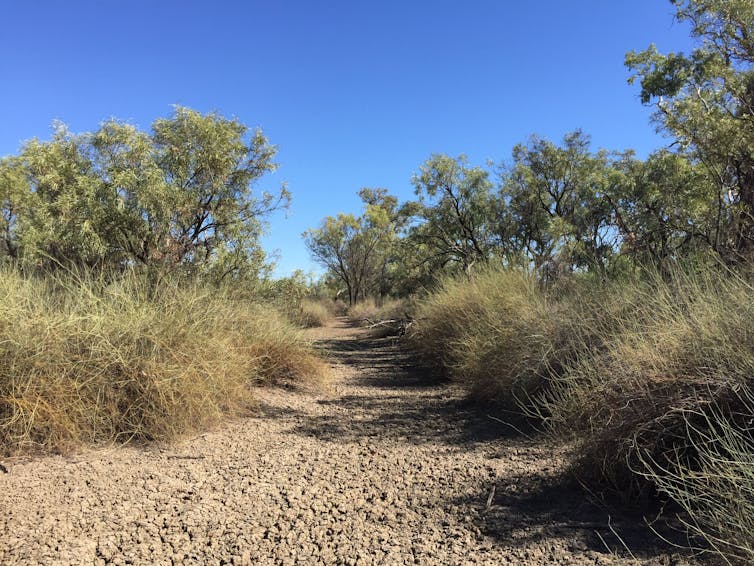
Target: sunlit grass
<point>85,360</point>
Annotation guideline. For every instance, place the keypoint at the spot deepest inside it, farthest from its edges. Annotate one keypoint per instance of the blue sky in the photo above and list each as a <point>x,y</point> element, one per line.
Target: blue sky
<point>355,94</point>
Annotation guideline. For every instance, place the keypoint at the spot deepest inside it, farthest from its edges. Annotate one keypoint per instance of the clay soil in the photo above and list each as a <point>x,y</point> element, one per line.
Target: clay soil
<point>389,465</point>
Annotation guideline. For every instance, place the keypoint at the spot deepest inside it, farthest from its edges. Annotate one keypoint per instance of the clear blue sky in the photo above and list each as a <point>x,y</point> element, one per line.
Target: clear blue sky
<point>354,93</point>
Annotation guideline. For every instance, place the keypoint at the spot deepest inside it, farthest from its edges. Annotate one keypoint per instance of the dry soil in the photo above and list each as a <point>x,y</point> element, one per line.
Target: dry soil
<point>388,466</point>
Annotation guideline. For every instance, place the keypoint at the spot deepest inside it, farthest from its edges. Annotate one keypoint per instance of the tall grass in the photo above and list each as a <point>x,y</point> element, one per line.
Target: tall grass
<point>86,360</point>
<point>715,487</point>
<point>315,313</point>
<point>492,332</point>
<point>371,310</point>
<point>649,379</point>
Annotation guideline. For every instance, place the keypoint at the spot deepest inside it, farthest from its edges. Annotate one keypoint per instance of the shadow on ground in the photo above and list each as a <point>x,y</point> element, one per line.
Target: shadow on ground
<point>395,398</point>
<point>527,510</point>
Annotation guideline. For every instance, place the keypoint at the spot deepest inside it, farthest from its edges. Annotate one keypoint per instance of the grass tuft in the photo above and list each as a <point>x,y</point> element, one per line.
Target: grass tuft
<point>491,332</point>
<point>85,360</point>
<point>650,380</point>
<point>315,313</point>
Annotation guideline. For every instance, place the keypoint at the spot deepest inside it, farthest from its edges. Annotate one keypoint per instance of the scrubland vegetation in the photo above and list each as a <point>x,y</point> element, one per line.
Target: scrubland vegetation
<point>85,360</point>
<point>648,379</point>
<point>606,297</point>
<point>135,299</point>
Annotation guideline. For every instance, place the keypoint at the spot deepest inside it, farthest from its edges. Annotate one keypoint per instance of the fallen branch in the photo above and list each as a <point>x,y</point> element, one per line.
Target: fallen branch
<point>401,325</point>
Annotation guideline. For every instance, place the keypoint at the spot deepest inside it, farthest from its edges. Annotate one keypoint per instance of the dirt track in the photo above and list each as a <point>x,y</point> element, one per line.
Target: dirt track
<point>389,467</point>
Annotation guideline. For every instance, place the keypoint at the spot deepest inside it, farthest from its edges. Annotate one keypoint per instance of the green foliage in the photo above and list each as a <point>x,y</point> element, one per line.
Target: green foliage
<point>662,208</point>
<point>359,250</point>
<point>451,219</point>
<point>180,198</point>
<point>705,100</point>
<point>555,205</point>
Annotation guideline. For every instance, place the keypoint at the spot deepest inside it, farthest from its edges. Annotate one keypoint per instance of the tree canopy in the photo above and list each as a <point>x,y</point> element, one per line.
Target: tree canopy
<point>179,197</point>
<point>560,208</point>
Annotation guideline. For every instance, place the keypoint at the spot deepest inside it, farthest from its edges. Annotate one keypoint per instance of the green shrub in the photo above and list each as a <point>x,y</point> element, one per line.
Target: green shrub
<point>84,360</point>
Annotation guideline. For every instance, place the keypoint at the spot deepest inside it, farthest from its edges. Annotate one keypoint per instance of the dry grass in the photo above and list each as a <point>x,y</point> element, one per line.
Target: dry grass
<point>315,313</point>
<point>492,332</point>
<point>658,403</point>
<point>714,488</point>
<point>650,380</point>
<point>370,310</point>
<point>82,360</point>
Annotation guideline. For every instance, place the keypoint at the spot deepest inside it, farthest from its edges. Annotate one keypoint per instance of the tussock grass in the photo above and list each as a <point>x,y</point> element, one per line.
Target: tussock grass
<point>84,360</point>
<point>666,346</point>
<point>371,310</point>
<point>663,402</point>
<point>492,332</point>
<point>650,379</point>
<point>315,313</point>
<point>715,488</point>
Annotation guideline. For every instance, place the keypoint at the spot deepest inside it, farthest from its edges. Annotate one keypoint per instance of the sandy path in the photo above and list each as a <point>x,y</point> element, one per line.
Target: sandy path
<point>383,469</point>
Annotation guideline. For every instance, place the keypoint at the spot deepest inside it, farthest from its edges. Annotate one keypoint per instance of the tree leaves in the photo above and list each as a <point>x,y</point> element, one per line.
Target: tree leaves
<point>180,197</point>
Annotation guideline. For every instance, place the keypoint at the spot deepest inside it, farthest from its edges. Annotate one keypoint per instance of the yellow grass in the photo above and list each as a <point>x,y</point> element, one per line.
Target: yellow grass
<point>85,360</point>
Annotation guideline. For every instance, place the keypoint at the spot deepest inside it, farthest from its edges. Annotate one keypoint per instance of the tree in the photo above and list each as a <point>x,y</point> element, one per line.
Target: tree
<point>554,204</point>
<point>64,217</point>
<point>705,100</point>
<point>180,197</point>
<point>358,250</point>
<point>210,168</point>
<point>451,217</point>
<point>662,207</point>
<point>11,203</point>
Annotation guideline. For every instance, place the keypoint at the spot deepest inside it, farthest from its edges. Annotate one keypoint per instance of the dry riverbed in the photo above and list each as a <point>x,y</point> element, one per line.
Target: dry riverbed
<point>387,467</point>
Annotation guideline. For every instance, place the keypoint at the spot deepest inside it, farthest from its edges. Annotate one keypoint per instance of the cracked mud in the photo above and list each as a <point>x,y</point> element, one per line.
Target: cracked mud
<point>386,467</point>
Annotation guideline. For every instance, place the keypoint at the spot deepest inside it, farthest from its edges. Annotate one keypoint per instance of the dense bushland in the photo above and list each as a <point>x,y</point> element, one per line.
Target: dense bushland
<point>86,359</point>
<point>649,378</point>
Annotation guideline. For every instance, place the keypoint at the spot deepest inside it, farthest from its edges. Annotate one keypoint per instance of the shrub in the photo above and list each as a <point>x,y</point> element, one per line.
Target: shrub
<point>85,360</point>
